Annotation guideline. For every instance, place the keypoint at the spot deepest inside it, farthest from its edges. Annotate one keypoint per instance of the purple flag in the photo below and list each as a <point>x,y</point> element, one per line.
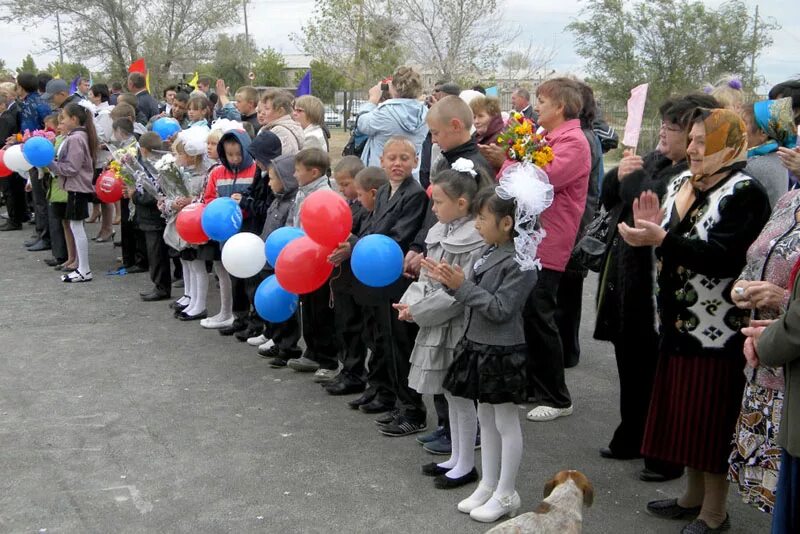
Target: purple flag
<point>304,88</point>
<point>73,87</point>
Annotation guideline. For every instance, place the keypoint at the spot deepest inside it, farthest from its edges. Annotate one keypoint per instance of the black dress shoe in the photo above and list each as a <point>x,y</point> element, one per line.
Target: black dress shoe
<point>344,387</point>
<point>376,406</point>
<point>247,333</point>
<point>183,316</point>
<point>175,305</point>
<point>238,324</point>
<point>698,526</point>
<point>670,509</point>
<point>444,482</point>
<point>433,470</point>
<point>32,241</point>
<point>52,262</point>
<point>648,475</point>
<point>365,398</point>
<point>39,246</point>
<point>135,269</point>
<point>606,452</point>
<point>156,296</point>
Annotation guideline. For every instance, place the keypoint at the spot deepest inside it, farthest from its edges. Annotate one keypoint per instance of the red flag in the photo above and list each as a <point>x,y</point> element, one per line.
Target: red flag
<point>138,66</point>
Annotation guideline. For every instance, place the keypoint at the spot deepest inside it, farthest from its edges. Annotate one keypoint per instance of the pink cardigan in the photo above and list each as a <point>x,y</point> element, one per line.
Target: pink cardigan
<point>569,175</point>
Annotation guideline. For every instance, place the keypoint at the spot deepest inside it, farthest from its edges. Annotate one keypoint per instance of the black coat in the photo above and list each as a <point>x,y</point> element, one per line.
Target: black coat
<point>626,292</point>
<point>146,107</point>
<point>148,216</point>
<point>9,122</point>
<point>343,278</point>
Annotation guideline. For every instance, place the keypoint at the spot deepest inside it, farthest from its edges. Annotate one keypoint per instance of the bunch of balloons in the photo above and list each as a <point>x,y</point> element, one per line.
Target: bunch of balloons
<point>35,152</point>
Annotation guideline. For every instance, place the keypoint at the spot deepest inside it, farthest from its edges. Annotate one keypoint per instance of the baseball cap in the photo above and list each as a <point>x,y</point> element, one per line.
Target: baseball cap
<point>53,87</point>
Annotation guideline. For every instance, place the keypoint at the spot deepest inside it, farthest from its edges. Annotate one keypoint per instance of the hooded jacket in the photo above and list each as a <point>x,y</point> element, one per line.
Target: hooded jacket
<point>225,179</point>
<point>264,148</point>
<point>289,132</point>
<point>396,116</point>
<point>278,212</point>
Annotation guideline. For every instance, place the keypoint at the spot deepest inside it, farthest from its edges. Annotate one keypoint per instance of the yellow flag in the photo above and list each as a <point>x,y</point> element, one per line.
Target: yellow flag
<point>57,76</point>
<point>147,81</point>
<point>193,81</point>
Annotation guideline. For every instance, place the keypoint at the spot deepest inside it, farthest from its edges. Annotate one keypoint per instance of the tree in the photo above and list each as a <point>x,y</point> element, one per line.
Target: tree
<point>67,71</point>
<point>269,68</point>
<point>528,63</point>
<point>5,74</point>
<point>675,45</point>
<point>28,65</point>
<point>232,59</point>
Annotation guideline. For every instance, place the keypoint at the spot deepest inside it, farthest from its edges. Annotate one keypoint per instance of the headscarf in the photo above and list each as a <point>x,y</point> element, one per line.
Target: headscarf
<point>776,119</point>
<point>726,151</point>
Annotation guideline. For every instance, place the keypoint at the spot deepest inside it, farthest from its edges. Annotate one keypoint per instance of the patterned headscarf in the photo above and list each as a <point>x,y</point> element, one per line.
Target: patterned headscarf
<point>726,146</point>
<point>776,119</point>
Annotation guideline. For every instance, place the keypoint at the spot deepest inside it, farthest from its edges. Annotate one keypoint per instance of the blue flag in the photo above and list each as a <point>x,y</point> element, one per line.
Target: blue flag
<point>492,91</point>
<point>304,88</point>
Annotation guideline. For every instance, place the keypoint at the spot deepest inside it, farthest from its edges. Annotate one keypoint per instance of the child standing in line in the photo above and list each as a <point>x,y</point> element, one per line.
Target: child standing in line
<point>490,360</point>
<point>74,167</point>
<point>440,316</point>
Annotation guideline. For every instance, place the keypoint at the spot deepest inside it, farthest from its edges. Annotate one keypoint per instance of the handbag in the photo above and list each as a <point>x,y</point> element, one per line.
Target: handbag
<point>591,248</point>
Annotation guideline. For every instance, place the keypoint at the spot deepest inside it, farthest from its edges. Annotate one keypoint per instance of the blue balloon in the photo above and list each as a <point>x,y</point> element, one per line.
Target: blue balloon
<point>166,127</point>
<point>273,303</point>
<point>279,239</point>
<point>38,151</point>
<point>377,260</point>
<point>222,219</point>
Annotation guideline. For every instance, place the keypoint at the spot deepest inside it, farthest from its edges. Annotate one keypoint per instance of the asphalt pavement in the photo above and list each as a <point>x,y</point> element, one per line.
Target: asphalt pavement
<point>115,417</point>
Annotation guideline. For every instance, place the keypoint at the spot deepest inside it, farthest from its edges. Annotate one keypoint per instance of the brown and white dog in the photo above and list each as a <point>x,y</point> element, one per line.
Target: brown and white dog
<point>561,511</point>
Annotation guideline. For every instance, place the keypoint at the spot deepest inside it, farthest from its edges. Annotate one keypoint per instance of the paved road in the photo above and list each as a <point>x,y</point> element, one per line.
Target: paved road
<point>114,417</point>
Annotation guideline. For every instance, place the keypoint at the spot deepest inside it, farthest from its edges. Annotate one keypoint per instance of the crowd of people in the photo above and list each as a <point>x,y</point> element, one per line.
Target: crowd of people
<point>695,289</point>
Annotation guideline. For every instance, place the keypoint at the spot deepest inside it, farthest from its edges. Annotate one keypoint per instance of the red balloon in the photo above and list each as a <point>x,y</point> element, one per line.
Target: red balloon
<point>4,171</point>
<point>303,266</point>
<point>108,187</point>
<point>326,218</point>
<point>189,224</point>
<point>429,190</point>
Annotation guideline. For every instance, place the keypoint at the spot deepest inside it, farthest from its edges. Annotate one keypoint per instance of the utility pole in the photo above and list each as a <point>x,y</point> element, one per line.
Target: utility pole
<point>753,53</point>
<point>60,44</point>
<point>247,36</point>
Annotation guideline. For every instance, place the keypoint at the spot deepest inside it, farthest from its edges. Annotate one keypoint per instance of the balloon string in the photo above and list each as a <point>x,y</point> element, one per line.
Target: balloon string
<point>330,285</point>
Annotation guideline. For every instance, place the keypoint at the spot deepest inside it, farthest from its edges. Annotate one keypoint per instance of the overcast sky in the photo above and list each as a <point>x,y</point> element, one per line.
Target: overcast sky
<point>272,21</point>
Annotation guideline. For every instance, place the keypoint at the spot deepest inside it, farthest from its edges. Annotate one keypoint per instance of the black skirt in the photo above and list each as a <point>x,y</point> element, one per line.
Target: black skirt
<point>488,373</point>
<point>187,254</point>
<point>211,251</point>
<point>77,206</point>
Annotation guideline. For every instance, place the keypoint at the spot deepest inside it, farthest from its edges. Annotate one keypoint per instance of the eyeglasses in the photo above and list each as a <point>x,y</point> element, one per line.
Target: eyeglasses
<point>299,110</point>
<point>666,126</point>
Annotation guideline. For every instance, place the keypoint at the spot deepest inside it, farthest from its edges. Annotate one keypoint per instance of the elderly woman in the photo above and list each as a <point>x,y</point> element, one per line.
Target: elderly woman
<point>309,112</point>
<point>710,216</point>
<point>777,343</point>
<point>762,288</point>
<point>558,103</point>
<point>625,307</point>
<point>275,115</point>
<point>488,120</point>
<point>402,115</point>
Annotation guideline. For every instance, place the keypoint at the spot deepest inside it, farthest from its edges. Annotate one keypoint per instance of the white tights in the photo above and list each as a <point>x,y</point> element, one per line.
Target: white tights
<point>463,429</point>
<point>81,246</point>
<point>225,293</point>
<point>187,283</point>
<point>199,285</point>
<point>501,446</point>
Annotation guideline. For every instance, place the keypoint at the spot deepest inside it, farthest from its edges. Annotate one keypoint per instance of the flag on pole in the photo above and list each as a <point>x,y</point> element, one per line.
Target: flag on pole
<point>304,88</point>
<point>138,66</point>
<point>193,82</point>
<point>147,81</point>
<point>492,91</point>
<point>633,126</point>
<point>73,86</point>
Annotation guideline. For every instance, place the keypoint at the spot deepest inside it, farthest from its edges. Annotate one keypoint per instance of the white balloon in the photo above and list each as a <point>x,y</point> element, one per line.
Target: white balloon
<point>15,160</point>
<point>243,255</point>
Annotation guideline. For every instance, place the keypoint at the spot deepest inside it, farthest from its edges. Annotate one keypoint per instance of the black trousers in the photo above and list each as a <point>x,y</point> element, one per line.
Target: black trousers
<point>40,205</point>
<point>546,384</point>
<point>568,315</point>
<point>158,260</point>
<point>14,194</point>
<point>319,329</point>
<point>378,377</point>
<point>58,241</point>
<point>241,302</point>
<point>350,331</point>
<point>134,245</point>
<point>395,346</point>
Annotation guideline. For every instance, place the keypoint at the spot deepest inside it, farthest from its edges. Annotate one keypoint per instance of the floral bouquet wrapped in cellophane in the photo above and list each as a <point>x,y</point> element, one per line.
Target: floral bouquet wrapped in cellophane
<point>170,176</point>
<point>523,143</point>
<point>125,164</point>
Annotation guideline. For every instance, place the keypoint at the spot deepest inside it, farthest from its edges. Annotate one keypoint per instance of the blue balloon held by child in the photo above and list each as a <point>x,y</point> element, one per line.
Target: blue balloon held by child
<point>166,127</point>
<point>222,219</point>
<point>377,260</point>
<point>273,303</point>
<point>38,151</point>
<point>279,239</point>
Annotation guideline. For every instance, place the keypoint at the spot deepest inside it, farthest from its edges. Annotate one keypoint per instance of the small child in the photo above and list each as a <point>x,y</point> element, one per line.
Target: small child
<point>347,314</point>
<point>490,360</point>
<point>316,316</point>
<point>152,224</point>
<point>280,339</point>
<point>51,123</point>
<point>134,247</point>
<point>198,111</point>
<point>440,317</point>
<point>244,108</point>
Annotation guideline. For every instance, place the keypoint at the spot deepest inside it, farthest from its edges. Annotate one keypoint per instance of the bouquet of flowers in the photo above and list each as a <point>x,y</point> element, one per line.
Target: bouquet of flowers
<point>127,168</point>
<point>522,142</point>
<point>50,136</point>
<point>170,176</point>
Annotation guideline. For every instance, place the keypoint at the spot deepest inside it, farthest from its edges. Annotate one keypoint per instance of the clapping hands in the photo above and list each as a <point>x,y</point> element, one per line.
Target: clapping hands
<point>444,273</point>
<point>647,217</point>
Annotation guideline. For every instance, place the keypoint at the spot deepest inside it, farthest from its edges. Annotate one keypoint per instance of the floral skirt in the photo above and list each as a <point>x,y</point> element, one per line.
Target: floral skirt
<point>488,373</point>
<point>756,457</point>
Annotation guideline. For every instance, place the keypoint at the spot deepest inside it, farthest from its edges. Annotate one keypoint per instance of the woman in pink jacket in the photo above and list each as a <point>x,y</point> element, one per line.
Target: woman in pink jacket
<point>558,103</point>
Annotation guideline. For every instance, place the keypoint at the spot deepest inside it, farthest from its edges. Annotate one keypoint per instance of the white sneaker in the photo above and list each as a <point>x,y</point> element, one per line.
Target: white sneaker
<point>548,413</point>
<point>478,498</point>
<point>497,507</point>
<point>257,340</point>
<point>266,346</point>
<point>325,375</point>
<point>216,322</point>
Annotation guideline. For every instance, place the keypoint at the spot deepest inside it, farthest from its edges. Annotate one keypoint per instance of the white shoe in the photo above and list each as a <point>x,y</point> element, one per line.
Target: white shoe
<point>257,340</point>
<point>76,277</point>
<point>266,346</point>
<point>548,413</point>
<point>478,498</point>
<point>497,507</point>
<point>325,375</point>
<point>216,322</point>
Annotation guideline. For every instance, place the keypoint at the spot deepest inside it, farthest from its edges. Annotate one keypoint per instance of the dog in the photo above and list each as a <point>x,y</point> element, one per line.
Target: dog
<point>561,511</point>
